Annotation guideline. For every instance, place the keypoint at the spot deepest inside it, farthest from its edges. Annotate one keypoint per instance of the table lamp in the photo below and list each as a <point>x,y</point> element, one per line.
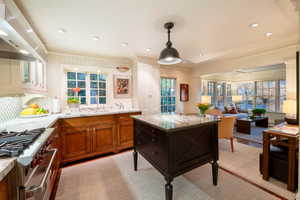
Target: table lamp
<point>206,99</point>
<point>237,98</point>
<point>290,109</point>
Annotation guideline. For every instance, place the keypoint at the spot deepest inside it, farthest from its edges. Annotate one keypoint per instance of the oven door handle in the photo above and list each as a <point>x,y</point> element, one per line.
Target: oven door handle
<point>30,192</point>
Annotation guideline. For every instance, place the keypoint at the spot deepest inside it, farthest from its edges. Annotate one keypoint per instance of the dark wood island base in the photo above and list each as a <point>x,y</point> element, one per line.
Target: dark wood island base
<point>175,151</point>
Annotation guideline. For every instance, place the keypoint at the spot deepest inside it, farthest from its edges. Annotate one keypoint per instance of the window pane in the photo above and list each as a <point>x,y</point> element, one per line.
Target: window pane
<point>94,85</point>
<point>102,93</point>
<point>83,100</point>
<point>102,85</point>
<point>94,92</point>
<point>102,77</point>
<point>80,76</point>
<point>81,84</point>
<point>71,84</point>
<point>82,93</point>
<point>71,75</point>
<point>102,100</point>
<point>93,100</point>
<point>71,93</point>
<point>94,77</point>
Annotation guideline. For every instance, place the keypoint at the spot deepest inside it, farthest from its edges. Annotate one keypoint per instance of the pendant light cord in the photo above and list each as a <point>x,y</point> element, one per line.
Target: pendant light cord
<point>169,43</point>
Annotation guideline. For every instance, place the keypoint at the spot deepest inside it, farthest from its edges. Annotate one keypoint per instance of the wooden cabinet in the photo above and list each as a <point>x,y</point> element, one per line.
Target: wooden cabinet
<point>10,79</point>
<point>75,142</point>
<point>90,136</point>
<point>125,132</point>
<point>18,77</point>
<point>103,138</point>
<point>4,189</point>
<point>33,76</point>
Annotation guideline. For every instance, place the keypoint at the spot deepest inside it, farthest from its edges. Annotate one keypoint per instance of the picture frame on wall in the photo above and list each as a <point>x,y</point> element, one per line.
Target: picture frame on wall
<point>122,86</point>
<point>184,92</point>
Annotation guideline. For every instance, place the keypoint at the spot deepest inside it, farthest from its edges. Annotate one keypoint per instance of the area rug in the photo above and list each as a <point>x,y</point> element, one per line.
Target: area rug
<point>244,161</point>
<point>113,178</point>
<point>255,136</point>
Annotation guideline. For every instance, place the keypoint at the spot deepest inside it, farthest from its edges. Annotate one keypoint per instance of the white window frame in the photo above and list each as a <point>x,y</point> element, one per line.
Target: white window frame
<point>175,93</point>
<point>87,87</point>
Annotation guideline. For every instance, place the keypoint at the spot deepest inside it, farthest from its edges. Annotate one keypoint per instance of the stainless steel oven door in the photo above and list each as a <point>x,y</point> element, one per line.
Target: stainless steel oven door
<point>39,183</point>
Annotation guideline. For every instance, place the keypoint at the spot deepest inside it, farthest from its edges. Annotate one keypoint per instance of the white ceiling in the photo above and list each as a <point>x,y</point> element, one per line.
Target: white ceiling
<point>214,28</point>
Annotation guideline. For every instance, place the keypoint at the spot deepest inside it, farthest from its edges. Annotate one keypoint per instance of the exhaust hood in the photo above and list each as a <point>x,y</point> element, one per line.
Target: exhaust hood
<point>16,42</point>
<point>10,50</point>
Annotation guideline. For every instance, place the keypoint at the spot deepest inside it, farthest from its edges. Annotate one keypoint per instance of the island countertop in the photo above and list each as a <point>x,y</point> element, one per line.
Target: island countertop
<point>174,122</point>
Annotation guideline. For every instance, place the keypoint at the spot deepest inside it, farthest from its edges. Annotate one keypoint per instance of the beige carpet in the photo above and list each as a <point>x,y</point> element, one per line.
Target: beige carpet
<point>113,178</point>
<point>245,162</point>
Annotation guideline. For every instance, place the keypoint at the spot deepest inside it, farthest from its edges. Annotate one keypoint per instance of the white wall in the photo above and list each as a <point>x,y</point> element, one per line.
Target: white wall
<point>57,63</point>
<point>148,85</point>
<point>291,78</point>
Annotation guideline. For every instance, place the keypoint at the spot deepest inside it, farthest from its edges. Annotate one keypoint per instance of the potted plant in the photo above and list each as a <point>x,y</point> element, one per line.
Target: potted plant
<point>258,112</point>
<point>74,102</point>
<point>203,107</point>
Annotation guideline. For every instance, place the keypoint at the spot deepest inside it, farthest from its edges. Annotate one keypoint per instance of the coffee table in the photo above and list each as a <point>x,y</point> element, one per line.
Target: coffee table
<point>244,124</point>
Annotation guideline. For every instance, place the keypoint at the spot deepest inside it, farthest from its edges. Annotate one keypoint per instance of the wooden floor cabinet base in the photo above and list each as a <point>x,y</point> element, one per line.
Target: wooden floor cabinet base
<point>178,152</point>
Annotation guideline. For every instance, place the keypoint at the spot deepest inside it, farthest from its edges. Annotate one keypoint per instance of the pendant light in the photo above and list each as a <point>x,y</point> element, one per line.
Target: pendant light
<point>169,55</point>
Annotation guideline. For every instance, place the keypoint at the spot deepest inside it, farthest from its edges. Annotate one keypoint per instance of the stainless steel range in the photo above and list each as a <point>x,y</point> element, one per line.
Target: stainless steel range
<point>34,160</point>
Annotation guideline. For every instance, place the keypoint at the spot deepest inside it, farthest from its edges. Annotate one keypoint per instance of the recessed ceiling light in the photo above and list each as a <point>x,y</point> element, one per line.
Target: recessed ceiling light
<point>2,33</point>
<point>148,49</point>
<point>61,30</point>
<point>269,34</point>
<point>23,51</point>
<point>29,30</point>
<point>96,38</point>
<point>254,25</point>
<point>124,44</point>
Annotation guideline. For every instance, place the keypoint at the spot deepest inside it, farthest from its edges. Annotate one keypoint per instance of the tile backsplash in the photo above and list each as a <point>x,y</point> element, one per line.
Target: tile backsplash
<point>10,108</point>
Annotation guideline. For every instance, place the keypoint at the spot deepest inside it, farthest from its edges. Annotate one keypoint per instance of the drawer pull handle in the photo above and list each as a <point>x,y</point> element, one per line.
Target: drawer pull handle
<point>154,153</point>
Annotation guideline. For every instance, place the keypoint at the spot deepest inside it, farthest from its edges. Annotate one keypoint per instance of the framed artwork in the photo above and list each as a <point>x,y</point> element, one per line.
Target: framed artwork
<point>122,86</point>
<point>184,92</point>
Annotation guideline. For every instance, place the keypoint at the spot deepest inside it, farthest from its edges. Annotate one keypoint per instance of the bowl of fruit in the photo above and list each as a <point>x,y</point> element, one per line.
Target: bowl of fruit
<point>34,110</point>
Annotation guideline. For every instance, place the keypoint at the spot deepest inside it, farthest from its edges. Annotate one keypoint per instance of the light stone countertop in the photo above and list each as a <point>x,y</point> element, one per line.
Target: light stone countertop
<point>175,122</point>
<point>21,124</point>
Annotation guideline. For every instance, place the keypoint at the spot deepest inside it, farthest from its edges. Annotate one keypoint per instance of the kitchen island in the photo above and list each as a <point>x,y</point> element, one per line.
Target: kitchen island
<point>175,144</point>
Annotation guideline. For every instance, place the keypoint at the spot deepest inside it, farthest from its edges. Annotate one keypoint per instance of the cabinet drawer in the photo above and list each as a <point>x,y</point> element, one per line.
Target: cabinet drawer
<point>152,143</point>
<point>87,121</point>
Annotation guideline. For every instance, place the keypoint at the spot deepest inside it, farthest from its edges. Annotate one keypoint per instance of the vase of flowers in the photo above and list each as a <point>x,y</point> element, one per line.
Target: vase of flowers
<point>203,107</point>
<point>74,102</point>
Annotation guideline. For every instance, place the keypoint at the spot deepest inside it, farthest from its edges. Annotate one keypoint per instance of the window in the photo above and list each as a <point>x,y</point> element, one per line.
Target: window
<point>167,95</point>
<point>220,94</point>
<point>266,95</point>
<point>92,85</point>
<point>246,89</point>
<point>282,93</point>
<point>97,89</point>
<point>256,94</point>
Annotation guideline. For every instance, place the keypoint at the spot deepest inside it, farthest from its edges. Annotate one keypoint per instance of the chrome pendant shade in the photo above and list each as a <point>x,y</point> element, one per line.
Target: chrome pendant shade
<point>169,55</point>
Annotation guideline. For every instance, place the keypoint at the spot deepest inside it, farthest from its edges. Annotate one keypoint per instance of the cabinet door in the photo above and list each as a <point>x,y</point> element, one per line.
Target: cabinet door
<point>4,191</point>
<point>103,137</point>
<point>10,79</point>
<point>76,142</point>
<point>125,133</point>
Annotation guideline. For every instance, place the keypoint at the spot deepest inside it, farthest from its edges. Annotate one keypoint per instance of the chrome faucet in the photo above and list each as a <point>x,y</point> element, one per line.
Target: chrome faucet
<point>120,105</point>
